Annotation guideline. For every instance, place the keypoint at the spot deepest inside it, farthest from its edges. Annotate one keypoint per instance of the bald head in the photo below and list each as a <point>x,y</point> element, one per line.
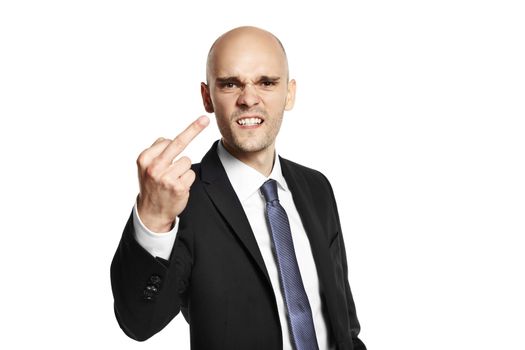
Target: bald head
<point>242,42</point>
<point>248,91</point>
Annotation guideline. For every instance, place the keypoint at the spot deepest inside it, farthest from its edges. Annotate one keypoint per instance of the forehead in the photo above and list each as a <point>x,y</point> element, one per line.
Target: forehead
<point>248,57</point>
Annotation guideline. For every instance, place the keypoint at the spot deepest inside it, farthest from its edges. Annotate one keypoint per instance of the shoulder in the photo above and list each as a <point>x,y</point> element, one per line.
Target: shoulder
<point>305,177</point>
<point>308,174</point>
<point>313,186</point>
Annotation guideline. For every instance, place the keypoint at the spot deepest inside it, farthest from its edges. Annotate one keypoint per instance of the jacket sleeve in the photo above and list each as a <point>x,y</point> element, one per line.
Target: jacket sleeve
<point>148,292</point>
<point>355,327</point>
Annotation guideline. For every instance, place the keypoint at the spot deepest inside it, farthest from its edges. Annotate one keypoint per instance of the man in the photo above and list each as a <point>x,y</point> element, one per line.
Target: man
<point>246,244</point>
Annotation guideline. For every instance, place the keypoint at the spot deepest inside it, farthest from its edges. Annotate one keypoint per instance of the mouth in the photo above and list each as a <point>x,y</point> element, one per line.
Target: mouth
<point>250,121</point>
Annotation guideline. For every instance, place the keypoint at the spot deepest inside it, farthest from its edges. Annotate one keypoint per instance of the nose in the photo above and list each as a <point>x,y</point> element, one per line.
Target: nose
<point>249,96</point>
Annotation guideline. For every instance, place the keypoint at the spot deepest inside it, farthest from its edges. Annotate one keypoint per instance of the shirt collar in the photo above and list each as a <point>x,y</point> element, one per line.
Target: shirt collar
<point>246,180</point>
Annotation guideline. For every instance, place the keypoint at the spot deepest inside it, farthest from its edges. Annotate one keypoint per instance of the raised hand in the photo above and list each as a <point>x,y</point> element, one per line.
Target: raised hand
<point>165,182</point>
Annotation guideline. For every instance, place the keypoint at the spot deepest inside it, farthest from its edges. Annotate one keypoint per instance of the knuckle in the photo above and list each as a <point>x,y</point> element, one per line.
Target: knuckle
<point>191,180</point>
<point>191,175</point>
<point>185,161</point>
<point>179,189</point>
<point>152,170</point>
<point>142,159</point>
<point>177,143</point>
<point>165,183</point>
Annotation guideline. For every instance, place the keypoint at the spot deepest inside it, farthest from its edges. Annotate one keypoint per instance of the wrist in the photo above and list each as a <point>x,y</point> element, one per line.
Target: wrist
<point>158,226</point>
<point>154,222</point>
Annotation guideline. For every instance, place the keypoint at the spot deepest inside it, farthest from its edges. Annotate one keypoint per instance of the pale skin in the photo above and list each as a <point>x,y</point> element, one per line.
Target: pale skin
<point>248,90</point>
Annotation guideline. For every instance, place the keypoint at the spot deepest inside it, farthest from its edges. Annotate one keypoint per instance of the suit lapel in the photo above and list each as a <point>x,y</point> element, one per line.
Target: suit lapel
<point>303,197</point>
<point>222,194</point>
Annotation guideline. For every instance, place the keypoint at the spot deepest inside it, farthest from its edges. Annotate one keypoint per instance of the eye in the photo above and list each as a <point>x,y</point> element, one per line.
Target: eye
<point>227,84</point>
<point>268,83</point>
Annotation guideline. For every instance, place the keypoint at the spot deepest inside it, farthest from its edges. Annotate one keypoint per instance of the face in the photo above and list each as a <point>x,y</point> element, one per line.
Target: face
<point>248,91</point>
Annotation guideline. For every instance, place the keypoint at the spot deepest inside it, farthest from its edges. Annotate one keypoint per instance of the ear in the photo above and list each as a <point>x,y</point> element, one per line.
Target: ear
<point>206,98</point>
<point>290,96</point>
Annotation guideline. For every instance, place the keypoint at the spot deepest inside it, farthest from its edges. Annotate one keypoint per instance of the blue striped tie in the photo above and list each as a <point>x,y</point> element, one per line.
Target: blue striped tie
<point>300,319</point>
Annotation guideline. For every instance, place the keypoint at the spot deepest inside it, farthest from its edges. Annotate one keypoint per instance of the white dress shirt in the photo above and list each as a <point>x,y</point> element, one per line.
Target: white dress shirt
<point>246,182</point>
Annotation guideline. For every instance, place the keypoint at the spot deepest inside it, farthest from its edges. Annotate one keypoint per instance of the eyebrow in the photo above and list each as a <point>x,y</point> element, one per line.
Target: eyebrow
<point>272,79</point>
<point>234,79</point>
<point>226,80</point>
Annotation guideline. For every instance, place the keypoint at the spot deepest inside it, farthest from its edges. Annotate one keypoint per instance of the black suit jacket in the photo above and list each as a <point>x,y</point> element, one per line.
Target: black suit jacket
<point>216,274</point>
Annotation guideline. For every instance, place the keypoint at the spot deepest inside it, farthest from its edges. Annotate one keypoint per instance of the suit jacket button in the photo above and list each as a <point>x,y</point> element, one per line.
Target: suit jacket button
<point>148,295</point>
<point>152,289</point>
<point>155,280</point>
<point>150,292</point>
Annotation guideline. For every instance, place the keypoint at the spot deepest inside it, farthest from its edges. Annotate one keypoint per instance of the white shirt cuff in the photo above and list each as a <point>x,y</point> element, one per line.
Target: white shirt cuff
<point>157,244</point>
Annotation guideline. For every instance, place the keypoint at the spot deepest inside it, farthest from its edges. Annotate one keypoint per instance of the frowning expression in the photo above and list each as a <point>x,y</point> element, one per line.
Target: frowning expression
<point>248,89</point>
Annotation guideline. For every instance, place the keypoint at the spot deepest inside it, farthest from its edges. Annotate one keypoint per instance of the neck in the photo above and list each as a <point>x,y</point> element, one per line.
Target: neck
<point>261,160</point>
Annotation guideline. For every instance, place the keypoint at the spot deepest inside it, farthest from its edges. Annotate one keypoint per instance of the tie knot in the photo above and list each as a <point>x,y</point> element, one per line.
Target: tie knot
<point>269,191</point>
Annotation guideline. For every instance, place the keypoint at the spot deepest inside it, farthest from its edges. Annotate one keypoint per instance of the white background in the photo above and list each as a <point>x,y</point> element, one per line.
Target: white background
<point>413,109</point>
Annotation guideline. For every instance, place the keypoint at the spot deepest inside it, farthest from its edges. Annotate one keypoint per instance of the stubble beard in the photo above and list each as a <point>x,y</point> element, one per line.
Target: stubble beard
<point>247,144</point>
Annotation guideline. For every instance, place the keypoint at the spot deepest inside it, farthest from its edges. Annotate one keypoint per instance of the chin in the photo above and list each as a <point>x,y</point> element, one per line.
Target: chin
<point>250,146</point>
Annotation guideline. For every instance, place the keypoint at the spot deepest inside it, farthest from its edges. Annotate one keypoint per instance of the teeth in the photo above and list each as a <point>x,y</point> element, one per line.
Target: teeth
<point>249,121</point>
